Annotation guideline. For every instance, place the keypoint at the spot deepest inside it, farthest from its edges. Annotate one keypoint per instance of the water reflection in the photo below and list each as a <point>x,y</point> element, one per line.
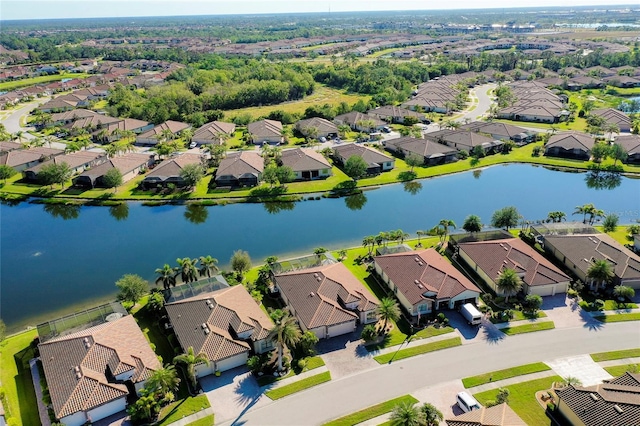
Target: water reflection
<point>603,180</point>
<point>273,207</point>
<point>63,211</point>
<point>477,173</point>
<point>412,187</point>
<point>196,213</point>
<point>119,212</point>
<point>355,201</point>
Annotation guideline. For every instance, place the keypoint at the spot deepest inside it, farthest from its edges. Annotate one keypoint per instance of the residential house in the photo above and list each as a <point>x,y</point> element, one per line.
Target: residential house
<point>489,258</point>
<point>242,168</point>
<point>327,300</point>
<point>77,161</point>
<point>318,127</point>
<point>226,324</point>
<point>269,131</point>
<point>130,166</point>
<point>91,373</point>
<point>622,81</point>
<point>359,121</point>
<point>112,131</point>
<point>585,82</point>
<point>501,131</point>
<point>614,116</point>
<point>153,136</point>
<point>394,114</point>
<point>306,163</point>
<point>22,159</point>
<point>92,123</point>
<point>465,140</point>
<point>377,162</point>
<point>533,113</point>
<point>578,252</point>
<point>432,152</point>
<point>631,145</point>
<point>424,281</point>
<point>213,133</point>
<point>615,402</point>
<point>6,146</point>
<point>570,145</point>
<point>498,415</point>
<point>68,117</point>
<point>168,172</point>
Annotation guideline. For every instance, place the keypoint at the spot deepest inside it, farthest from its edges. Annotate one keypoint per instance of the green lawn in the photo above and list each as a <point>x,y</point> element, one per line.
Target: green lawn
<point>16,84</point>
<point>635,316</point>
<point>312,363</point>
<point>19,397</point>
<point>298,386</point>
<point>609,356</point>
<point>523,401</point>
<point>185,407</point>
<point>371,412</point>
<point>205,421</point>
<point>495,376</point>
<point>417,350</point>
<point>621,234</point>
<point>518,316</point>
<point>619,370</point>
<point>528,328</point>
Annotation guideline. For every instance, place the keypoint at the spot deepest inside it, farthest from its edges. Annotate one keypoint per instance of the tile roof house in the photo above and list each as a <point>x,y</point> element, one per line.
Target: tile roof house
<point>130,166</point>
<point>242,168</point>
<point>21,159</point>
<point>359,121</point>
<point>226,324</point>
<point>87,372</point>
<point>306,163</point>
<point>570,145</point>
<point>465,140</point>
<point>615,402</point>
<point>324,127</point>
<point>614,116</point>
<point>631,145</point>
<point>394,114</point>
<point>6,146</point>
<point>501,131</point>
<point>77,161</point>
<point>577,252</point>
<point>269,131</point>
<point>377,162</point>
<point>424,281</point>
<point>490,258</point>
<point>432,152</point>
<point>110,132</point>
<point>151,137</point>
<point>327,300</point>
<point>62,118</point>
<point>498,415</point>
<point>213,133</point>
<point>169,170</point>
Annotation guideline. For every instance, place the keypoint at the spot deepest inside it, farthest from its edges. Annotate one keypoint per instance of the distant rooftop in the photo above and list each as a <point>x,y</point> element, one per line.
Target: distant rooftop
<point>81,320</point>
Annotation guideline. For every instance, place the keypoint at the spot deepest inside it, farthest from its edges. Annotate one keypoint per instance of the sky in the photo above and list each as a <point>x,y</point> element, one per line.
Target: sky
<point>55,9</point>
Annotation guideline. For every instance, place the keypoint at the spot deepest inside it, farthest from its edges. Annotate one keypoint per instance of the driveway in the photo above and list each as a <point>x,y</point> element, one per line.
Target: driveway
<point>12,122</point>
<point>485,332</point>
<point>581,367</point>
<point>566,313</point>
<point>346,355</point>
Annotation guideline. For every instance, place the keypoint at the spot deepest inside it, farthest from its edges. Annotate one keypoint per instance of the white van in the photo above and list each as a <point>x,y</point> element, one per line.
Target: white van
<point>471,314</point>
<point>467,402</point>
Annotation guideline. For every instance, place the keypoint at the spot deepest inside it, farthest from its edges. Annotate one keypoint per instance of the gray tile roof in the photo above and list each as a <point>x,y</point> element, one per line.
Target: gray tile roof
<point>371,156</point>
<point>210,132</point>
<point>571,140</point>
<point>237,164</point>
<point>303,159</point>
<point>265,129</point>
<point>171,167</point>
<point>423,147</point>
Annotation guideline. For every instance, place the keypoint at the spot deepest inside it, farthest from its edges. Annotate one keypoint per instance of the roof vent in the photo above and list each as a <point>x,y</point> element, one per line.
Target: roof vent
<point>315,274</point>
<point>87,343</point>
<point>76,370</point>
<point>594,396</point>
<point>416,282</point>
<point>204,325</point>
<point>420,286</point>
<point>420,263</point>
<point>417,259</point>
<point>312,294</point>
<point>318,279</point>
<point>618,409</point>
<point>209,304</point>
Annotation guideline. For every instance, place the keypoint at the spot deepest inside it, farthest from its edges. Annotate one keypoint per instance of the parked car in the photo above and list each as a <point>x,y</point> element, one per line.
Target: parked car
<point>386,129</point>
<point>467,402</point>
<point>323,139</point>
<point>193,145</point>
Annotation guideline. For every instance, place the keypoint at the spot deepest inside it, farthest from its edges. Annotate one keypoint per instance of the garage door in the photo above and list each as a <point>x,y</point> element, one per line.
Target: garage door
<point>339,329</point>
<point>545,290</point>
<point>232,362</point>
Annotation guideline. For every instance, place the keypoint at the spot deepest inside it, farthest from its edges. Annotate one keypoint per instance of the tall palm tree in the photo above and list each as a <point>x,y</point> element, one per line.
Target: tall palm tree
<point>594,214</point>
<point>420,235</point>
<point>369,242</point>
<point>285,332</point>
<point>445,224</point>
<point>388,310</point>
<point>164,380</point>
<point>166,276</point>
<point>584,210</point>
<point>208,265</point>
<point>187,269</point>
<point>190,360</point>
<point>600,272</point>
<point>405,414</point>
<point>431,415</point>
<point>508,282</point>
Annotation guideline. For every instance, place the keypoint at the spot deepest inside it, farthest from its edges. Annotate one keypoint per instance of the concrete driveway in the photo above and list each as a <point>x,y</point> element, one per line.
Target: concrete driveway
<point>346,355</point>
<point>581,367</point>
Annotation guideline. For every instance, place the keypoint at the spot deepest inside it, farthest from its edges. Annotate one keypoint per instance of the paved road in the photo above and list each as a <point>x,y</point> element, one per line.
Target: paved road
<point>352,393</point>
<point>12,122</point>
<point>484,103</point>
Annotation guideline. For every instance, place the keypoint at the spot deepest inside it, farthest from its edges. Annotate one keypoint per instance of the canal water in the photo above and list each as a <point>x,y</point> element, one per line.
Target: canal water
<point>56,258</point>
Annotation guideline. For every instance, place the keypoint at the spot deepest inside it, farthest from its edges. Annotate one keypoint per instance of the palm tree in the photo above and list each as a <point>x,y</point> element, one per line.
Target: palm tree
<point>405,414</point>
<point>388,310</point>
<point>368,242</point>
<point>431,415</point>
<point>445,224</point>
<point>208,265</point>
<point>187,269</point>
<point>190,360</point>
<point>556,216</point>
<point>623,292</point>
<point>584,211</point>
<point>420,235</point>
<point>508,282</point>
<point>167,276</point>
<point>163,380</point>
<point>600,272</point>
<point>594,214</point>
<point>285,332</point>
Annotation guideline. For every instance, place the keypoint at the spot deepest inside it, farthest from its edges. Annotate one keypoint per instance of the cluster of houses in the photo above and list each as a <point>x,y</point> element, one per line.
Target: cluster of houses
<point>578,145</point>
<point>91,372</point>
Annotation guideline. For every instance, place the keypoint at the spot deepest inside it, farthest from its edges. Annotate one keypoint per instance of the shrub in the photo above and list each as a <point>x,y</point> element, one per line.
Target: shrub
<point>369,333</point>
<point>302,364</point>
<point>441,317</point>
<point>463,154</point>
<point>537,150</point>
<point>598,304</point>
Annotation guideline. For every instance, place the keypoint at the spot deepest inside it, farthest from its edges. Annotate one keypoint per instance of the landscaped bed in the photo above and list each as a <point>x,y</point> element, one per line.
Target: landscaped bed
<point>371,412</point>
<point>495,376</point>
<point>298,386</point>
<point>312,363</point>
<point>612,355</point>
<point>528,328</point>
<point>417,350</point>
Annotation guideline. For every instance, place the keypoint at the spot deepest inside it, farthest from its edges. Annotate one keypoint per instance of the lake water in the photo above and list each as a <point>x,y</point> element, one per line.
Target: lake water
<point>53,258</point>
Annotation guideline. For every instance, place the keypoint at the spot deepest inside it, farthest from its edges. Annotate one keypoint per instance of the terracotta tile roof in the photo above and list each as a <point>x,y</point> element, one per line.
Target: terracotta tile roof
<point>424,274</point>
<point>498,415</point>
<point>354,117</point>
<point>496,255</point>
<point>582,249</point>
<point>303,159</point>
<point>73,115</point>
<point>75,365</point>
<point>392,111</point>
<point>265,129</point>
<point>240,163</point>
<point>571,140</point>
<point>125,124</point>
<point>615,402</point>
<point>225,310</point>
<point>371,156</point>
<point>318,294</point>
